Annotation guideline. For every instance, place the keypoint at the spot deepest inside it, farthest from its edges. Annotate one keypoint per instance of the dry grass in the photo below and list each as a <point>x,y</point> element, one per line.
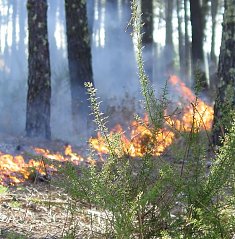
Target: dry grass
<point>38,211</point>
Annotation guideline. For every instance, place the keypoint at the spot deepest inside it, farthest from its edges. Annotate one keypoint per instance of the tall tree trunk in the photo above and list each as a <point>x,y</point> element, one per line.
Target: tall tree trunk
<point>198,26</point>
<point>90,17</point>
<point>22,34</point>
<point>14,30</point>
<point>169,47</point>
<point>53,10</point>
<point>79,58</point>
<point>13,47</point>
<point>7,47</point>
<point>214,9</point>
<point>180,35</point>
<point>225,101</point>
<point>147,18</point>
<point>112,27</point>
<point>39,78</point>
<point>213,58</point>
<point>187,45</point>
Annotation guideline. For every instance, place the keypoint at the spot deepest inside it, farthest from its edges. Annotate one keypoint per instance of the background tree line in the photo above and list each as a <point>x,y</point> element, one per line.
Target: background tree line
<point>176,37</point>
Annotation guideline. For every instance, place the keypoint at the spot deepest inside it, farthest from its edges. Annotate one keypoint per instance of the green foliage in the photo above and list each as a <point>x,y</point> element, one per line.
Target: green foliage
<point>13,235</point>
<point>153,197</point>
<point>3,190</point>
<point>154,107</point>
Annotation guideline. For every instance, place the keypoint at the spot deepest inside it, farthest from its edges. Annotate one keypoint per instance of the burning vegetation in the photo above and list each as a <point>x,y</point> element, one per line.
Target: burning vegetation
<point>192,112</point>
<point>137,141</point>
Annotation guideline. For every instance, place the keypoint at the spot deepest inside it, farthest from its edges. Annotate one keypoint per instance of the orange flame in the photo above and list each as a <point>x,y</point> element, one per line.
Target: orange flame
<point>140,140</point>
<point>197,115</point>
<point>14,169</point>
<point>137,144</point>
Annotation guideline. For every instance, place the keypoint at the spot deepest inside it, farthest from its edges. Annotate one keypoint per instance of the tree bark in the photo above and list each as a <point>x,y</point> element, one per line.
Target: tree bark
<point>147,19</point>
<point>198,26</point>
<point>90,17</point>
<point>214,9</point>
<point>169,47</point>
<point>80,63</point>
<point>180,35</point>
<point>22,35</point>
<point>39,78</point>
<point>187,55</point>
<point>225,101</point>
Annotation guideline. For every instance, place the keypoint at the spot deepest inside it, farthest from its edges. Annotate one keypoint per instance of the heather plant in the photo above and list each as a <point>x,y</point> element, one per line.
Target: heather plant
<point>152,196</point>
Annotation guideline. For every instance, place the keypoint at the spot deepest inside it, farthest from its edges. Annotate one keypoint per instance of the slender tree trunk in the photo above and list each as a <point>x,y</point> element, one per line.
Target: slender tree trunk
<point>22,47</point>
<point>147,18</point>
<point>14,30</point>
<point>112,26</point>
<point>6,54</point>
<point>225,101</point>
<point>13,47</point>
<point>79,58</point>
<point>180,35</point>
<point>198,25</point>
<point>53,8</point>
<point>213,58</point>
<point>169,47</point>
<point>90,16</point>
<point>39,78</point>
<point>187,54</point>
<point>214,9</point>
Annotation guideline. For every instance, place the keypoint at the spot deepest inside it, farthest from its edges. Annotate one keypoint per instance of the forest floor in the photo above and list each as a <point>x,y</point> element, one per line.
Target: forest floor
<point>40,211</point>
<point>35,208</point>
<point>32,211</point>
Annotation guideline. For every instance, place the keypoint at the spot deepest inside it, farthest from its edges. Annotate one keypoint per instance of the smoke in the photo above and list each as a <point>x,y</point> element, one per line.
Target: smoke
<point>114,67</point>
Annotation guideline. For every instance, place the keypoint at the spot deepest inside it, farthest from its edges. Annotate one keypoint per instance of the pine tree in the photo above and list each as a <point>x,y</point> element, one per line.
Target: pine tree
<point>225,101</point>
<point>147,19</point>
<point>39,74</point>
<point>79,58</point>
<point>198,11</point>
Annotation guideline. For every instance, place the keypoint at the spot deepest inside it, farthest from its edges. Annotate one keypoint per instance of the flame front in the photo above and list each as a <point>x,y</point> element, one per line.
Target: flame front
<point>141,139</point>
<point>15,169</point>
<point>195,114</point>
<point>137,144</point>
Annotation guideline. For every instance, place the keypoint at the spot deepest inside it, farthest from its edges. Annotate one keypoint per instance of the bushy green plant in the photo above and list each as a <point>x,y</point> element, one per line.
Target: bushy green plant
<point>152,197</point>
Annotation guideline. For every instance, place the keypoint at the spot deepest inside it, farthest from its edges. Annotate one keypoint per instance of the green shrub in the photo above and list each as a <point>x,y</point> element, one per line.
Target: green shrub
<point>152,197</point>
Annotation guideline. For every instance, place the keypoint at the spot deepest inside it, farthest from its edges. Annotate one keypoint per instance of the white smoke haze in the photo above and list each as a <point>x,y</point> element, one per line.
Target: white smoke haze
<point>114,72</point>
<point>114,66</point>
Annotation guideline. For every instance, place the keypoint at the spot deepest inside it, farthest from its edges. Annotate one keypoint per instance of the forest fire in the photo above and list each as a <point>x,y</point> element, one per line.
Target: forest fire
<point>137,144</point>
<point>194,113</point>
<point>139,140</point>
<point>15,169</point>
<point>69,155</point>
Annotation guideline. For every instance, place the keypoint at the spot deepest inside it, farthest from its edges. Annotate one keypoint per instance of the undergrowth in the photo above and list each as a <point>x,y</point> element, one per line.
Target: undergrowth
<point>153,196</point>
